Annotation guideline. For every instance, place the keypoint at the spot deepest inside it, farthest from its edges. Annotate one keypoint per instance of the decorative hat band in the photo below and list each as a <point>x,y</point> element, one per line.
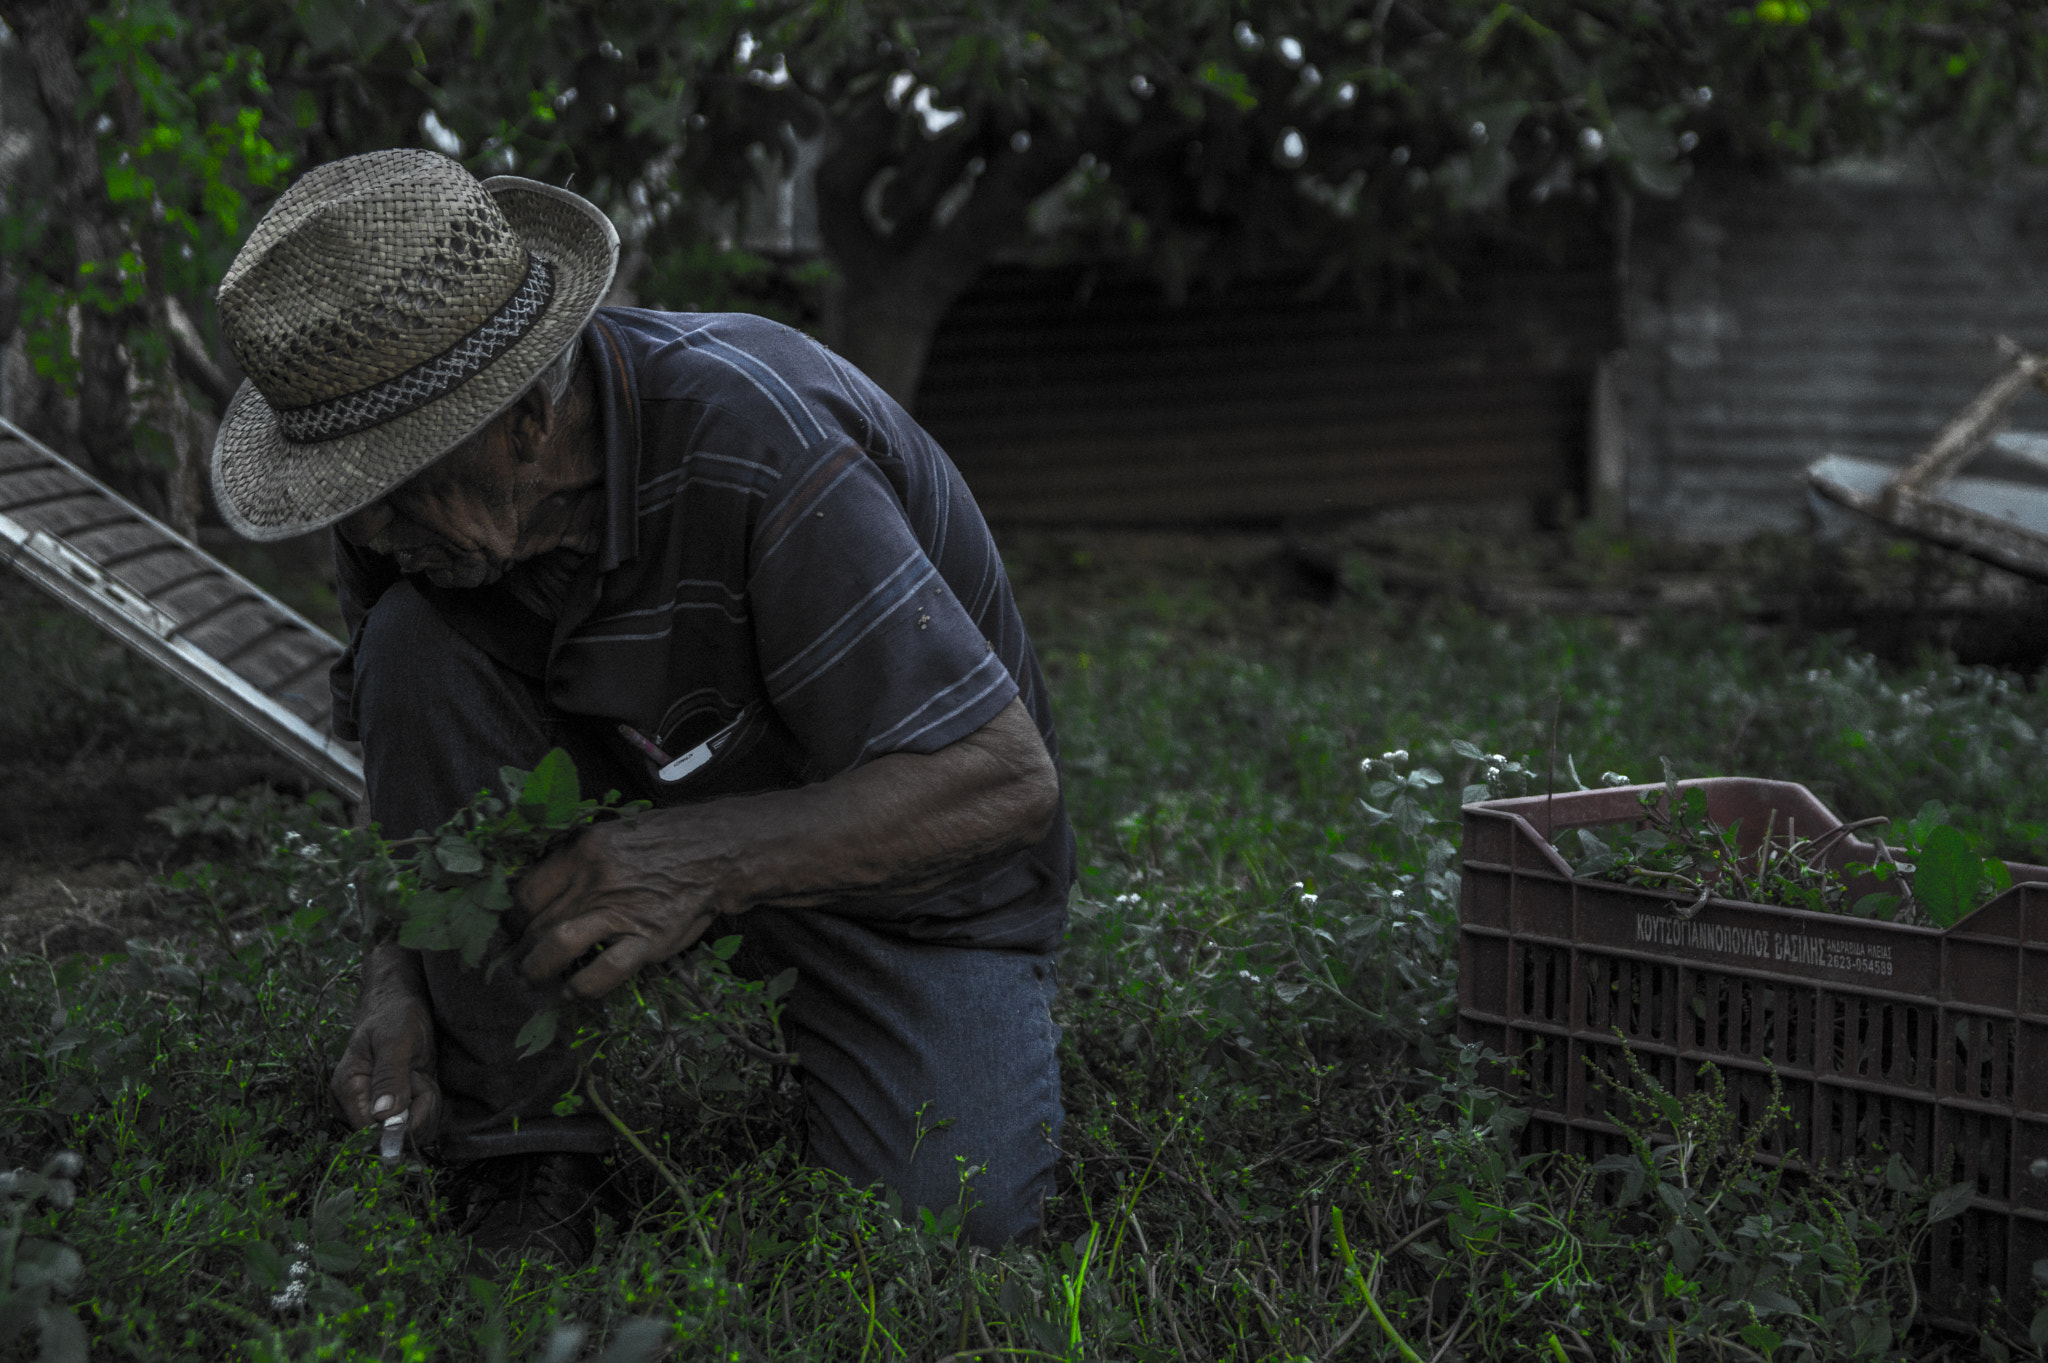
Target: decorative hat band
<point>394,397</point>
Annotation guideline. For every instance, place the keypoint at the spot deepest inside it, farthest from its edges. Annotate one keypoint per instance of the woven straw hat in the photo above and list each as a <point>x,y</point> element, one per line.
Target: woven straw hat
<point>386,308</point>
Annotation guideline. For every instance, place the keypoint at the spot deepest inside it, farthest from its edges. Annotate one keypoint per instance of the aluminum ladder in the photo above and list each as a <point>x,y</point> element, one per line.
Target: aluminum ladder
<point>181,608</point>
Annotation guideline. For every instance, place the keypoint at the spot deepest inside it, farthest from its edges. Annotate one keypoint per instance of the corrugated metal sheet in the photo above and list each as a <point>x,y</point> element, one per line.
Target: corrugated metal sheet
<point>1124,409</point>
<point>1771,325</point>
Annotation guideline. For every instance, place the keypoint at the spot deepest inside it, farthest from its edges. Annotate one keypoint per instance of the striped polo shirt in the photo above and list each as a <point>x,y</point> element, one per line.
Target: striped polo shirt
<point>793,581</point>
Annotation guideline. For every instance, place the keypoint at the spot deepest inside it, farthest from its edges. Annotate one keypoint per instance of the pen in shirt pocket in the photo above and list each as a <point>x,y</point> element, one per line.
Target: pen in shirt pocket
<point>676,768</point>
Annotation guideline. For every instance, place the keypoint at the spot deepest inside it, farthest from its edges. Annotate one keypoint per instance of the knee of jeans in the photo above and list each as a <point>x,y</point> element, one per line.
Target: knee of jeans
<point>1002,1197</point>
<point>1007,1208</point>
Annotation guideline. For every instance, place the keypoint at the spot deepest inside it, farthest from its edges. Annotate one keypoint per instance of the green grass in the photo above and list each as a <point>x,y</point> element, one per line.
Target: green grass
<point>1257,999</point>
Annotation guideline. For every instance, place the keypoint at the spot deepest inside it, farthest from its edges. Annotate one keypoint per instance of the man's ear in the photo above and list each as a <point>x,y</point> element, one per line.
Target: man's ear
<point>533,421</point>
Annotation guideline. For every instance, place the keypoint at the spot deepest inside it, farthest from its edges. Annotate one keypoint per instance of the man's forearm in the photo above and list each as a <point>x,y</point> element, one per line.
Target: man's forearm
<point>391,969</point>
<point>646,887</point>
<point>903,822</point>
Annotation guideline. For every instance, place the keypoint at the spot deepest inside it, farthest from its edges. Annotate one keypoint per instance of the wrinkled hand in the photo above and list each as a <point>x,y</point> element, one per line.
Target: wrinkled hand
<point>631,887</point>
<point>388,1066</point>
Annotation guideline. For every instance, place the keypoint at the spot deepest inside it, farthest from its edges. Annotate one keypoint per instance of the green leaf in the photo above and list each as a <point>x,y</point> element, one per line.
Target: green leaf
<point>330,1216</point>
<point>1595,855</point>
<point>336,1256</point>
<point>1945,878</point>
<point>1931,816</point>
<point>725,948</point>
<point>1770,1299</point>
<point>426,921</point>
<point>1762,1338</point>
<point>1685,1249</point>
<point>538,1033</point>
<point>485,1291</point>
<point>551,794</point>
<point>459,856</point>
<point>782,983</point>
<point>470,925</point>
<point>495,894</point>
<point>2038,1331</point>
<point>1949,1203</point>
<point>1232,85</point>
<point>266,1265</point>
<point>512,780</point>
<point>1898,1177</point>
<point>1881,906</point>
<point>1632,1174</point>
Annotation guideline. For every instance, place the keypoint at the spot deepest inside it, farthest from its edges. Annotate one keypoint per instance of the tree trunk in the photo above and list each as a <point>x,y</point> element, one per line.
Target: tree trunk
<point>885,327</point>
<point>53,35</point>
<point>898,274</point>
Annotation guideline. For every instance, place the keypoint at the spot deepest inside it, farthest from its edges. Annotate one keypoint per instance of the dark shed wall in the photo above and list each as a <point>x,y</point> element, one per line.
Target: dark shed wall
<point>1125,409</point>
<point>1769,325</point>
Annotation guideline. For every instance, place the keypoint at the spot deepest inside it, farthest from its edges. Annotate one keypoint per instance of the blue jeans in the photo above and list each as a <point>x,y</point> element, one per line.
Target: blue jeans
<point>917,1058</point>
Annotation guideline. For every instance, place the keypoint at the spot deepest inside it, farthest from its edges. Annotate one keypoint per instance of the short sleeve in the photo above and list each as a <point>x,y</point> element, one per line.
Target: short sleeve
<point>863,646</point>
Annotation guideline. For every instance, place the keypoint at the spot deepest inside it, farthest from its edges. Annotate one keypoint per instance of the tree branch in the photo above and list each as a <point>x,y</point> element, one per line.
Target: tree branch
<point>195,365</point>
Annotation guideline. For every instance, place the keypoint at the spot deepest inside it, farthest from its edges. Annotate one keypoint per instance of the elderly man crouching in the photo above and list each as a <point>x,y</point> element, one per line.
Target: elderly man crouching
<point>730,576</point>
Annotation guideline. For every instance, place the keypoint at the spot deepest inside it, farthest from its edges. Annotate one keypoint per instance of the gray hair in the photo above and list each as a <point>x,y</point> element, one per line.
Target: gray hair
<point>555,378</point>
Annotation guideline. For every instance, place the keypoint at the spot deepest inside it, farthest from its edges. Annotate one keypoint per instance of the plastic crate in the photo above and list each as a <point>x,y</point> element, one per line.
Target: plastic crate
<point>1886,1039</point>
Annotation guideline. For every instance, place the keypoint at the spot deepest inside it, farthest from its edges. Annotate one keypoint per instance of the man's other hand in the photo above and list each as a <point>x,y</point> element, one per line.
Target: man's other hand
<point>630,887</point>
<point>388,1066</point>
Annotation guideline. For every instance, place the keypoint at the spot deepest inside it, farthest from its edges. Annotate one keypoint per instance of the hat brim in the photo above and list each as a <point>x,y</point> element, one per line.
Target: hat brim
<point>270,489</point>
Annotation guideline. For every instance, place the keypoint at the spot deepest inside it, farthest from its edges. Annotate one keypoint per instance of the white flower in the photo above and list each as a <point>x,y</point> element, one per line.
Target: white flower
<point>294,1294</point>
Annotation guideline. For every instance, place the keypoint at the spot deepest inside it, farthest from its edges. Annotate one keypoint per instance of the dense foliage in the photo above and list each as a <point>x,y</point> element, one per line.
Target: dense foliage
<point>1275,1149</point>
<point>856,166</point>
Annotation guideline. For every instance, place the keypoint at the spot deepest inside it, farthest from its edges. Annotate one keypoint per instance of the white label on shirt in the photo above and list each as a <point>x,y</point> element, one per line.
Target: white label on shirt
<point>702,753</point>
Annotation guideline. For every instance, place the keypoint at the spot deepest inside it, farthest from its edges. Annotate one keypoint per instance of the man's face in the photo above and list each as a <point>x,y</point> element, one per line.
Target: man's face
<point>458,520</point>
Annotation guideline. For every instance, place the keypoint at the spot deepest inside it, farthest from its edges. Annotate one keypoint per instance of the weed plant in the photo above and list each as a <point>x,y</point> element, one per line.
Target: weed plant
<point>1931,876</point>
<point>1275,1147</point>
<point>75,696</point>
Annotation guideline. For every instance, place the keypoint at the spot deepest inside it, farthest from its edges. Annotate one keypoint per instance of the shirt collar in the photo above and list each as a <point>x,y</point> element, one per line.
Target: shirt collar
<point>619,418</point>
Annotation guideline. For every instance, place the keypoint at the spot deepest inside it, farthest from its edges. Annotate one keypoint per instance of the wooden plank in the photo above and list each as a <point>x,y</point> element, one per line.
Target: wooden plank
<point>1970,431</point>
